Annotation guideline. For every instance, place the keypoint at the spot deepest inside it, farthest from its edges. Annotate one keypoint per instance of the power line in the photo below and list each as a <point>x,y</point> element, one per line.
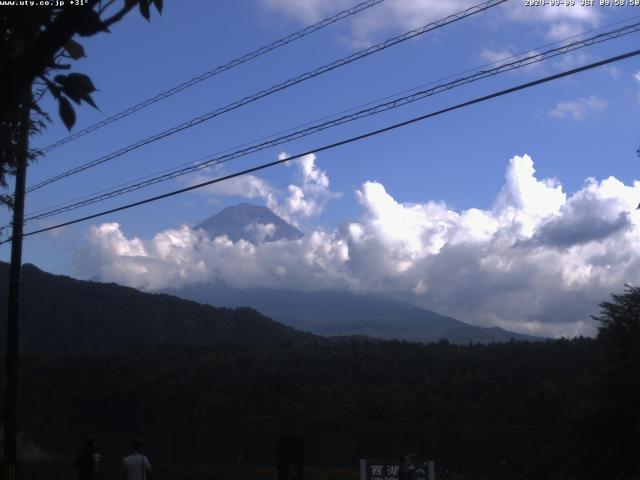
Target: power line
<point>382,107</point>
<point>276,88</point>
<point>363,136</point>
<point>216,71</point>
<point>519,55</point>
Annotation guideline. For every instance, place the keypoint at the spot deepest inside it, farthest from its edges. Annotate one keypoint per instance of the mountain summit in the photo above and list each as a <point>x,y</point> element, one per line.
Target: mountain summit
<point>250,222</point>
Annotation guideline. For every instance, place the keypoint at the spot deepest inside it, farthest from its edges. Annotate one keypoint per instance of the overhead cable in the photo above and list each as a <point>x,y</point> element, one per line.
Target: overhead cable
<point>518,55</point>
<point>273,89</point>
<point>357,138</point>
<point>215,71</point>
<point>375,109</point>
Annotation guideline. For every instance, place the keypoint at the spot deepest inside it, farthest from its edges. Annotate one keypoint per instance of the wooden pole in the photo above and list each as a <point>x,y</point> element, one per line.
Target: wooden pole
<point>13,313</point>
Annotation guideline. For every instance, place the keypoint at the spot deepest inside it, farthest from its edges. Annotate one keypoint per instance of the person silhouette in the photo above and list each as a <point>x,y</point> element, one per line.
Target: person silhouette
<point>87,463</point>
<point>136,466</point>
<point>407,467</point>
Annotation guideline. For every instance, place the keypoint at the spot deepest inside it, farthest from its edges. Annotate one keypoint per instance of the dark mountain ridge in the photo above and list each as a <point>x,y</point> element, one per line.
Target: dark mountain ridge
<point>62,314</point>
<point>327,313</point>
<point>332,313</point>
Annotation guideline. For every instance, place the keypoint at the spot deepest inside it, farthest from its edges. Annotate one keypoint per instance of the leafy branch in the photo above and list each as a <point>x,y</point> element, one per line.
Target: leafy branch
<point>35,43</point>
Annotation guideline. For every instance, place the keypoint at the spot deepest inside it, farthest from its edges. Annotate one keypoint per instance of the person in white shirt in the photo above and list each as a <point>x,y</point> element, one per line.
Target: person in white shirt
<point>136,466</point>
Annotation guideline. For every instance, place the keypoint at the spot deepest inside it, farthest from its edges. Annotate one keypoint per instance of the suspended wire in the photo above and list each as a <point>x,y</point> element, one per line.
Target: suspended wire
<point>381,107</point>
<point>172,172</point>
<point>216,71</point>
<point>363,136</point>
<point>334,115</point>
<point>276,88</point>
<point>371,102</point>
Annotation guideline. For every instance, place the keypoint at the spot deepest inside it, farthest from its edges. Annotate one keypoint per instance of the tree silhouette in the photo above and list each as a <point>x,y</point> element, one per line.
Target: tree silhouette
<point>619,330</point>
<point>618,419</point>
<point>37,44</point>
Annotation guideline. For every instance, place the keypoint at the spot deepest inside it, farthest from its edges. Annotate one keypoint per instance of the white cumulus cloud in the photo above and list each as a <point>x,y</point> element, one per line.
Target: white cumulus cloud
<point>614,71</point>
<point>304,199</point>
<point>578,109</point>
<point>539,260</point>
<point>408,14</point>
<point>495,56</point>
<point>246,186</point>
<point>307,198</point>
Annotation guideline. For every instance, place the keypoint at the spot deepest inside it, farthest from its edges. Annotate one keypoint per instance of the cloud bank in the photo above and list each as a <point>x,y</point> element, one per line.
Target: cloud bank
<point>538,261</point>
<point>558,23</point>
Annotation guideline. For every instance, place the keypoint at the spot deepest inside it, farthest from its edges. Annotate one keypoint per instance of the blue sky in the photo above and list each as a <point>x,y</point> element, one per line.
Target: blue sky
<point>572,129</point>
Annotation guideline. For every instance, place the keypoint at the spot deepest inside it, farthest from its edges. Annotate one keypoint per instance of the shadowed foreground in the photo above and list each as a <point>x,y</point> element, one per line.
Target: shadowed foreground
<point>64,471</point>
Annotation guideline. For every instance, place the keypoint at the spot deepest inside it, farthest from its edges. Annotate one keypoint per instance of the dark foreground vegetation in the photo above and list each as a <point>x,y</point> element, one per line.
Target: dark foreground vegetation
<point>551,410</point>
<point>233,381</point>
<point>58,470</point>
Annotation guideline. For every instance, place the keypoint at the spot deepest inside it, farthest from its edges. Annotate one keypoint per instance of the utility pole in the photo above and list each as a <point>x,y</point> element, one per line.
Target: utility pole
<point>13,313</point>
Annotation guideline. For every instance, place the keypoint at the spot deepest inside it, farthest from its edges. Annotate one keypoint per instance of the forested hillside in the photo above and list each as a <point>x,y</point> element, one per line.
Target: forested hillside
<point>62,314</point>
<point>471,406</point>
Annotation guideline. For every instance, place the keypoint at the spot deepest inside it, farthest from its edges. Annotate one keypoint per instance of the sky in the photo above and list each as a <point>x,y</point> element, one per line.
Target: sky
<point>519,212</point>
